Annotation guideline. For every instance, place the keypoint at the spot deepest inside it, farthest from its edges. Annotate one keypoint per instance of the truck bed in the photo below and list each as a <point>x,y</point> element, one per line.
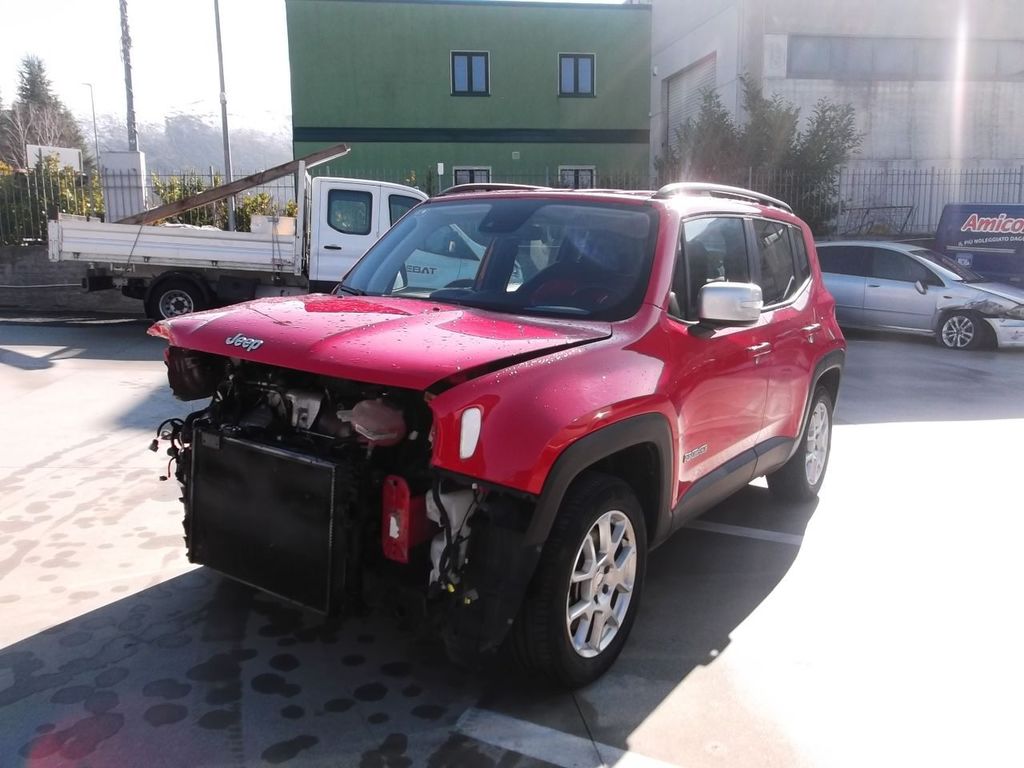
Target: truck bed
<point>73,238</point>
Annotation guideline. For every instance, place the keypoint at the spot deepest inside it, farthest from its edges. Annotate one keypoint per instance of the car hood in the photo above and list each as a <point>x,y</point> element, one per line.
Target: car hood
<point>1003,291</point>
<point>379,340</point>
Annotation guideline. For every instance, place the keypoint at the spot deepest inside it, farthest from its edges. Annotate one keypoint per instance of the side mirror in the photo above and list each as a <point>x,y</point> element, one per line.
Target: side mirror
<point>921,287</point>
<point>729,303</point>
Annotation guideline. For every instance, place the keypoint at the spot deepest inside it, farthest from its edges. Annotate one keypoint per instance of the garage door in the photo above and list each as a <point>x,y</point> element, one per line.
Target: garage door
<point>685,93</point>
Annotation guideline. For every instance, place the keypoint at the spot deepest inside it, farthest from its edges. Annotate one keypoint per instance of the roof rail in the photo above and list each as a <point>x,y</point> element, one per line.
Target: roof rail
<point>486,186</point>
<point>720,190</point>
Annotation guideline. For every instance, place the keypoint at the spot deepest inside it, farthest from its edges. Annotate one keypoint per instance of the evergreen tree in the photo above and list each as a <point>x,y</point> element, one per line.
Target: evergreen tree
<point>34,84</point>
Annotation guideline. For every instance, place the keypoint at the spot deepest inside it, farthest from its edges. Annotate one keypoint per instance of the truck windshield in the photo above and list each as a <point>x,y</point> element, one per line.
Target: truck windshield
<point>961,272</point>
<point>524,255</point>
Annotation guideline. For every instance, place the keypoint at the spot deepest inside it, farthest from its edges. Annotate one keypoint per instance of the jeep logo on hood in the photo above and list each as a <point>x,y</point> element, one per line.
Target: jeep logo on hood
<point>245,342</point>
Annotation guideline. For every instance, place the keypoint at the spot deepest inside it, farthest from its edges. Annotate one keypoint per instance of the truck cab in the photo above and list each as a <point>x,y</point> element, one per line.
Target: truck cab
<point>350,216</point>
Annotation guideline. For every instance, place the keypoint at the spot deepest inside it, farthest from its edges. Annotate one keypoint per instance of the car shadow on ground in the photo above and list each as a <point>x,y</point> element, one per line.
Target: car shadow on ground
<point>87,338</point>
<point>200,670</point>
<point>701,585</point>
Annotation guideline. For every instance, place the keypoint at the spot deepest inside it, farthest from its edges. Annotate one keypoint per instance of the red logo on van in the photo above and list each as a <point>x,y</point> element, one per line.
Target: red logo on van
<point>999,224</point>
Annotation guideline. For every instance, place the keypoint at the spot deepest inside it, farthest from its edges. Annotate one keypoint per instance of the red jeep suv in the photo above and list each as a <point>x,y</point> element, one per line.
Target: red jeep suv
<point>505,405</point>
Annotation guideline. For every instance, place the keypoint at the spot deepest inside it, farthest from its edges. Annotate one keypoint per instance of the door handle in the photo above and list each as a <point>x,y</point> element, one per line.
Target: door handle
<point>332,247</point>
<point>760,349</point>
<point>812,328</point>
<point>874,285</point>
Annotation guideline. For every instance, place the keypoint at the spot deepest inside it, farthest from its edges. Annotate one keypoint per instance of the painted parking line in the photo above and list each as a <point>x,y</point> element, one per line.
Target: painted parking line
<point>747,533</point>
<point>547,744</point>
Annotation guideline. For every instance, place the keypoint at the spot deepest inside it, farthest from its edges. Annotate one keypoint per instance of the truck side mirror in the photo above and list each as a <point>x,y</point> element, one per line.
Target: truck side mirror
<point>921,287</point>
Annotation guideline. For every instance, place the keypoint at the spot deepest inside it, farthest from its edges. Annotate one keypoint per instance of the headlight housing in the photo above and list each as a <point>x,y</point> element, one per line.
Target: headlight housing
<point>1017,313</point>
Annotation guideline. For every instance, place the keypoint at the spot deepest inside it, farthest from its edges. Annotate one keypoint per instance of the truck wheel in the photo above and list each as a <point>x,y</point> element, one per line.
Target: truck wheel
<point>800,478</point>
<point>961,330</point>
<point>173,297</point>
<point>586,592</point>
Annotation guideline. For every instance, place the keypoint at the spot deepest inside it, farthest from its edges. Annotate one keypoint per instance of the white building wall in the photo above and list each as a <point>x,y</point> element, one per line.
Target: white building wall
<point>906,123</point>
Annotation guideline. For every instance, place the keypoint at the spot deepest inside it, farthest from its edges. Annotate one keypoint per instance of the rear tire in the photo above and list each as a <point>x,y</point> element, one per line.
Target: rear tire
<point>800,478</point>
<point>174,297</point>
<point>585,594</point>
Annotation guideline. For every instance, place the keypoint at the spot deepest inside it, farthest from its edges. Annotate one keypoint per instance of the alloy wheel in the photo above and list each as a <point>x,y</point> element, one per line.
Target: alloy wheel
<point>817,444</point>
<point>601,584</point>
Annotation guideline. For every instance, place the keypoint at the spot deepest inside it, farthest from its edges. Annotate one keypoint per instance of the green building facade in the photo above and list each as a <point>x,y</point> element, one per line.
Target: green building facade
<point>438,92</point>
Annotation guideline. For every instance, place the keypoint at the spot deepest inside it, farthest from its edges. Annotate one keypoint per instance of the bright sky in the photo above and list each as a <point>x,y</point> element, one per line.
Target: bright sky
<point>174,56</point>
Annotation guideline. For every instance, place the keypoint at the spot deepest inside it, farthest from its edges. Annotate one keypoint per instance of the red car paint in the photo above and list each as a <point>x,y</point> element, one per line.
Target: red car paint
<point>543,384</point>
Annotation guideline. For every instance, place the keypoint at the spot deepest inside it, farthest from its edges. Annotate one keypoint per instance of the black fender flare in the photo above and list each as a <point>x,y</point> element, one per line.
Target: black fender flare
<point>650,428</point>
<point>833,361</point>
<point>487,630</point>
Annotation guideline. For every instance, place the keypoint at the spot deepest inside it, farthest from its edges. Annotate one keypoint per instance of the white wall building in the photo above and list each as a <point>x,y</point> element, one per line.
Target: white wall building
<point>935,83</point>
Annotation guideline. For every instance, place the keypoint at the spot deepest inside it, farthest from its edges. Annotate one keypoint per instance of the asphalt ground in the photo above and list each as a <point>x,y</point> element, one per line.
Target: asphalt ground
<point>880,625</point>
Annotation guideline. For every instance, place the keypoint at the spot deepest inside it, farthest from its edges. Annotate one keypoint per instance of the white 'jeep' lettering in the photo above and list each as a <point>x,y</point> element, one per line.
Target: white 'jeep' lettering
<point>245,342</point>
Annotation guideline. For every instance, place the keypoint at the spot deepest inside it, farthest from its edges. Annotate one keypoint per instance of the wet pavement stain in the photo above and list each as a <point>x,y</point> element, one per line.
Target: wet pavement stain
<point>284,751</point>
<point>165,689</point>
<point>390,754</point>
<point>272,684</point>
<point>429,711</point>
<point>293,712</point>
<point>165,714</point>
<point>284,662</point>
<point>338,705</point>
<point>218,719</point>
<point>371,692</point>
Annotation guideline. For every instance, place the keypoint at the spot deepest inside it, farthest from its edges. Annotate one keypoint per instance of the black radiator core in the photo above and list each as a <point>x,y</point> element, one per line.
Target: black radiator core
<point>265,516</point>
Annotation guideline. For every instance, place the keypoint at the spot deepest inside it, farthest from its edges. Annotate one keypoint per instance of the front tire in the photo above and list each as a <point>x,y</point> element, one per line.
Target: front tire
<point>961,330</point>
<point>585,594</point>
<point>800,478</point>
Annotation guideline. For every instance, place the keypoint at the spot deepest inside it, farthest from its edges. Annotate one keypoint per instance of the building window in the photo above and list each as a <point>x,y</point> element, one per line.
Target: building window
<point>576,176</point>
<point>575,74</point>
<point>470,175</point>
<point>897,58</point>
<point>471,75</point>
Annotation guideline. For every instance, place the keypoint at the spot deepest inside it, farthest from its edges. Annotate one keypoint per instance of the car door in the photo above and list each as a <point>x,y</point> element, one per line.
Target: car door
<point>891,299</point>
<point>349,224</point>
<point>844,269</point>
<point>717,384</point>
<point>790,329</point>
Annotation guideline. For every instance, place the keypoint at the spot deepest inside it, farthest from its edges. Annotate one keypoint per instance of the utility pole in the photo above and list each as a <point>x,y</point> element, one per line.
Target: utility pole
<point>95,135</point>
<point>224,117</point>
<point>126,57</point>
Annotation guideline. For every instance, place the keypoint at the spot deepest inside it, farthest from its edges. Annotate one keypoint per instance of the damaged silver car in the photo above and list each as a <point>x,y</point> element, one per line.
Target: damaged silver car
<point>902,287</point>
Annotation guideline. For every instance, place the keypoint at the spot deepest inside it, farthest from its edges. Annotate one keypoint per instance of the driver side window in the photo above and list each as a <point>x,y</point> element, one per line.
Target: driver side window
<point>711,250</point>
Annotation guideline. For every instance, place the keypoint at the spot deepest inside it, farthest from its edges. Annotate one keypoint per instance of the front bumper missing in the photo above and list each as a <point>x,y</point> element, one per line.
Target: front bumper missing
<point>266,516</point>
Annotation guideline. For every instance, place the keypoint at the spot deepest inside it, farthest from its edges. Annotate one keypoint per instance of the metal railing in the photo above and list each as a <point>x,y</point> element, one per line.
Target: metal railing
<point>854,202</point>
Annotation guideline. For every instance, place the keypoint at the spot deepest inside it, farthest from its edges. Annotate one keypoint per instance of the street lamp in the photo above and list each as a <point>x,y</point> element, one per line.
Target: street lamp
<point>95,137</point>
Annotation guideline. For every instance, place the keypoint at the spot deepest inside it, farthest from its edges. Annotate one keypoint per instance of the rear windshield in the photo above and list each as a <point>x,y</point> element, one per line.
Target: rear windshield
<point>518,255</point>
<point>960,271</point>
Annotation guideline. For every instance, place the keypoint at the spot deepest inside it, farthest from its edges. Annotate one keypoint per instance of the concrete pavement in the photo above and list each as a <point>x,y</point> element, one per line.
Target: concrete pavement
<point>879,626</point>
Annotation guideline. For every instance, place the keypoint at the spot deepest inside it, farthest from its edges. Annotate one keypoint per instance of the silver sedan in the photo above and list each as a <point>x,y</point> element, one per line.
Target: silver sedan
<point>902,287</point>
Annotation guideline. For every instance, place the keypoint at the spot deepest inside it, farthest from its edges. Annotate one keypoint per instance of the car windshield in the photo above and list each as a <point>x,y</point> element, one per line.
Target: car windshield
<point>950,265</point>
<point>523,255</point>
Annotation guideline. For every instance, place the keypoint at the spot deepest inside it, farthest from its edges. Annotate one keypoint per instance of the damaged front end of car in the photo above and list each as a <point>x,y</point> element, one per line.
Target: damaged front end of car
<point>322,491</point>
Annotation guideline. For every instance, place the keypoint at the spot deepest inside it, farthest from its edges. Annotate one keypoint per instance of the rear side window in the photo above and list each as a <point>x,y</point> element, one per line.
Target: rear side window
<point>803,267</point>
<point>350,211</point>
<point>398,205</point>
<point>843,259</point>
<point>890,265</point>
<point>713,250</point>
<point>775,254</point>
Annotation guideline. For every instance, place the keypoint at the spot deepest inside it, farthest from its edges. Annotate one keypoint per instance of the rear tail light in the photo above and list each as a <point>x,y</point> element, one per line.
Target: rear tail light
<point>403,519</point>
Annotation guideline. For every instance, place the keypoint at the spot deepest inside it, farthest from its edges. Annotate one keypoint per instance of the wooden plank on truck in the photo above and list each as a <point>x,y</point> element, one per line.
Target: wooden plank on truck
<point>234,187</point>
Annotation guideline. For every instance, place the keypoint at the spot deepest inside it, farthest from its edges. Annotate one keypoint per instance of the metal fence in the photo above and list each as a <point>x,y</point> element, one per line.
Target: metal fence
<point>856,202</point>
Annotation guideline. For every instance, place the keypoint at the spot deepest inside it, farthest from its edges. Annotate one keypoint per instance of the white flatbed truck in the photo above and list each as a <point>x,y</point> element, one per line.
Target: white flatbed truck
<point>176,269</point>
